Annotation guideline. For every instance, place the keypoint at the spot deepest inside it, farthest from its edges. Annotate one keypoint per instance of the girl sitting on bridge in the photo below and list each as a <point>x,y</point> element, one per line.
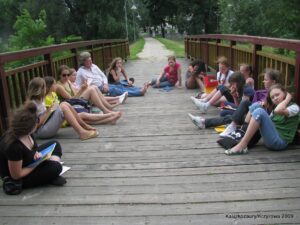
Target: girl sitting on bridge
<point>19,149</point>
<point>194,76</point>
<point>115,71</point>
<point>278,129</point>
<point>170,76</point>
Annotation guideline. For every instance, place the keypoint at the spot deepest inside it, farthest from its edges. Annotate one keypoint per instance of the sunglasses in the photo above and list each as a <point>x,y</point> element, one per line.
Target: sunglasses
<point>65,75</point>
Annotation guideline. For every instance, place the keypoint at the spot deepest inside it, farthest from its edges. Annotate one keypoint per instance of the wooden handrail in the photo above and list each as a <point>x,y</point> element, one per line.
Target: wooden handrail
<point>28,53</point>
<point>265,41</point>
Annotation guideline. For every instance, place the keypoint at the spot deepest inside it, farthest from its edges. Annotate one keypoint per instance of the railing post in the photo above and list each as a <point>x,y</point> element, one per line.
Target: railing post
<point>76,58</point>
<point>255,63</point>
<point>4,100</point>
<point>188,48</point>
<point>297,78</point>
<point>206,51</point>
<point>218,41</point>
<point>49,66</point>
<point>231,53</point>
<point>185,46</point>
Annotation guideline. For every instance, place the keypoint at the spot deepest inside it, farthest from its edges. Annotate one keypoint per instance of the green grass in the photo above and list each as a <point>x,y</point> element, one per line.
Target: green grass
<point>176,46</point>
<point>136,48</point>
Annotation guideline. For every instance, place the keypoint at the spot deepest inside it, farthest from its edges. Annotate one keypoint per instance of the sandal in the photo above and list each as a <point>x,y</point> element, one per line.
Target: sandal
<point>92,135</point>
<point>241,152</point>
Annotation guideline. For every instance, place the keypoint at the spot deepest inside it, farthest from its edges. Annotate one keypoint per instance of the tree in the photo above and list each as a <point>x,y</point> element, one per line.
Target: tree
<point>260,17</point>
<point>29,33</point>
<point>161,12</point>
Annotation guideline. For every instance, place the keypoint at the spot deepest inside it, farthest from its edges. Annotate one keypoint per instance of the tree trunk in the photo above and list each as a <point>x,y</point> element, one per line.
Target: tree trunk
<point>162,30</point>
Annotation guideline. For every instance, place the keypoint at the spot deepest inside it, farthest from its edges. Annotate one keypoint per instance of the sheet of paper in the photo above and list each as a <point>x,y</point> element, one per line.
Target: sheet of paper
<point>64,169</point>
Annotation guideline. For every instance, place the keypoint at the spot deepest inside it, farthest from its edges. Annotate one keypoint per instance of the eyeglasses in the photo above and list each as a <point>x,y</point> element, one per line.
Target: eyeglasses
<point>65,74</point>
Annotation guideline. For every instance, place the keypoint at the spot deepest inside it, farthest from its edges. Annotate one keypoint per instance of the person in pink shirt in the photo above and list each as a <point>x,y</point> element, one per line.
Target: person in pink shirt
<point>171,75</point>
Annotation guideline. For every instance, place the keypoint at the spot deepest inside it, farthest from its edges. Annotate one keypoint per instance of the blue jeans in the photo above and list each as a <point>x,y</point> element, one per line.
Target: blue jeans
<point>163,82</point>
<point>267,128</point>
<point>119,89</point>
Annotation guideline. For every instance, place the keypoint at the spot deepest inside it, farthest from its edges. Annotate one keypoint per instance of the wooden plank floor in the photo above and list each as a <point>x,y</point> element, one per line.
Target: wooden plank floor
<point>155,167</point>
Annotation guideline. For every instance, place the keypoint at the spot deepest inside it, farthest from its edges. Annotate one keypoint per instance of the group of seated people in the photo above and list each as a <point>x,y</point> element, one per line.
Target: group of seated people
<point>249,114</point>
<point>52,104</point>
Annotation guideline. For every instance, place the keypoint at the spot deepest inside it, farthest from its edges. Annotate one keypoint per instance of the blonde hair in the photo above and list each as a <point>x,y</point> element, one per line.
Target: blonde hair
<point>36,89</point>
<point>113,64</point>
<point>223,60</point>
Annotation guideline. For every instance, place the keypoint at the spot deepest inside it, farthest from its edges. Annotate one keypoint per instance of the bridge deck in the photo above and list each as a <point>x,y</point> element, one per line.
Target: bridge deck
<point>155,167</point>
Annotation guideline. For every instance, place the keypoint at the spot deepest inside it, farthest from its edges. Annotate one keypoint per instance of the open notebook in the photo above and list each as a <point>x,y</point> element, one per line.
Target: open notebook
<point>45,154</point>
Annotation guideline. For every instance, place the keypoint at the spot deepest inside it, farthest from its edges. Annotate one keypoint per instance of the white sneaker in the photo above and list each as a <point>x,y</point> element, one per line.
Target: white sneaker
<point>198,121</point>
<point>194,99</point>
<point>229,129</point>
<point>123,97</point>
<point>200,105</point>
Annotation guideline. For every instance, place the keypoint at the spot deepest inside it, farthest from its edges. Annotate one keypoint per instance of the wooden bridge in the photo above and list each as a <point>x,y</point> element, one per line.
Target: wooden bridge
<point>156,167</point>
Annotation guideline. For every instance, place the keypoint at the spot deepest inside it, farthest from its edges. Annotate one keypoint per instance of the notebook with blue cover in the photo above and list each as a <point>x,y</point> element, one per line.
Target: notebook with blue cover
<point>45,154</point>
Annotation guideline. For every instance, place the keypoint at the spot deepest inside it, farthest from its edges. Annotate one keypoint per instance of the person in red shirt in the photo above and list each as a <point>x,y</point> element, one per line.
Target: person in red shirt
<point>171,75</point>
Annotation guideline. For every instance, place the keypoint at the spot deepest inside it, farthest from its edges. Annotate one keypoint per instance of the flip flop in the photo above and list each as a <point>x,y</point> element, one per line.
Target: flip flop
<point>92,135</point>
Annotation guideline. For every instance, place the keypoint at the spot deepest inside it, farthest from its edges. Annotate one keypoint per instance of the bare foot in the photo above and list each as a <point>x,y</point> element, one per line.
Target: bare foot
<point>116,117</point>
<point>144,90</point>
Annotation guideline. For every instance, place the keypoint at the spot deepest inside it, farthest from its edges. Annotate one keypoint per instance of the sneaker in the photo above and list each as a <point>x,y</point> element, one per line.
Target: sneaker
<point>194,99</point>
<point>199,104</point>
<point>202,106</point>
<point>59,181</point>
<point>198,121</point>
<point>229,129</point>
<point>123,97</point>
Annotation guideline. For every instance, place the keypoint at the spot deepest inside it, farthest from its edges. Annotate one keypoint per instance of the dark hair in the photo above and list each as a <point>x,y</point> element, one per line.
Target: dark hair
<point>49,82</point>
<point>22,122</point>
<point>275,86</point>
<point>201,66</point>
<point>273,74</point>
<point>238,78</point>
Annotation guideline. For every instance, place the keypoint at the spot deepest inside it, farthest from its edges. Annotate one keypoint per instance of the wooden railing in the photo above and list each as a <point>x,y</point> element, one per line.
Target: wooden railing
<point>252,50</point>
<point>44,62</point>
